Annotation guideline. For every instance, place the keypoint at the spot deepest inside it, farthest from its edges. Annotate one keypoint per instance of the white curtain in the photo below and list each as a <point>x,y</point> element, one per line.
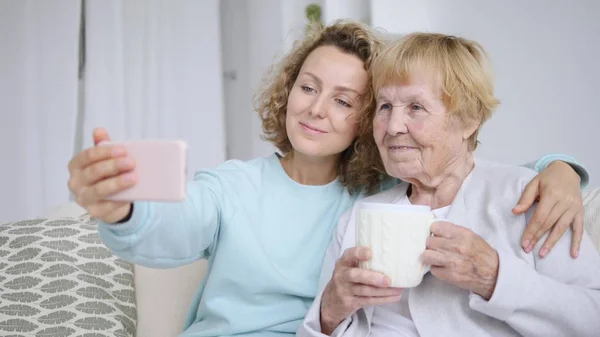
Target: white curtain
<point>153,71</point>
<point>38,103</point>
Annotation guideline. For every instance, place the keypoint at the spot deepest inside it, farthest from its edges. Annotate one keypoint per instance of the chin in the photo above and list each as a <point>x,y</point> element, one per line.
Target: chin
<point>401,170</point>
<point>311,148</point>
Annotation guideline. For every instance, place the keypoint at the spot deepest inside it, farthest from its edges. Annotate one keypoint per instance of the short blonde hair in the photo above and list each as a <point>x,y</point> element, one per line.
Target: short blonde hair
<point>351,37</point>
<point>461,66</point>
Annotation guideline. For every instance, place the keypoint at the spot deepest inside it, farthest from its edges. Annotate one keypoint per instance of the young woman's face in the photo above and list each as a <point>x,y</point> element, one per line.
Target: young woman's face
<point>324,102</point>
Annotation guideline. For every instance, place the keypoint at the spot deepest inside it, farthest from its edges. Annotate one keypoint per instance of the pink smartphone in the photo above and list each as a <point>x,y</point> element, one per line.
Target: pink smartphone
<point>160,167</point>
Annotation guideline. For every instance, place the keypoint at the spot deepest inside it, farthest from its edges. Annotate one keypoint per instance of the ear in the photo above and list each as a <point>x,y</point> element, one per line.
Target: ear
<point>469,129</point>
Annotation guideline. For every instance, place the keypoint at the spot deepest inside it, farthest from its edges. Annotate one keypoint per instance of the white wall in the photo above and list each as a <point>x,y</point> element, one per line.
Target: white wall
<point>545,55</point>
<point>346,9</point>
<point>400,16</point>
<point>294,20</point>
<point>256,34</point>
<point>197,82</point>
<point>236,82</point>
<point>251,39</point>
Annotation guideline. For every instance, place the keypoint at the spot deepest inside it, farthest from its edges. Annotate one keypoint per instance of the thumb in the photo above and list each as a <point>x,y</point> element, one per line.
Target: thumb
<point>100,135</point>
<point>528,197</point>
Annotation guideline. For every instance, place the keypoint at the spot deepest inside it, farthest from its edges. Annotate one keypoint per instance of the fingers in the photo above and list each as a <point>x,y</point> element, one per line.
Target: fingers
<point>446,229</point>
<point>99,172</point>
<point>105,169</point>
<point>352,255</point>
<point>347,272</point>
<point>352,288</point>
<point>528,197</point>
<point>556,213</point>
<point>448,247</point>
<point>94,154</point>
<point>578,227</point>
<point>438,243</point>
<point>363,290</point>
<point>434,258</point>
<point>105,188</point>
<point>366,277</point>
<point>443,273</point>
<point>557,232</point>
<point>535,224</point>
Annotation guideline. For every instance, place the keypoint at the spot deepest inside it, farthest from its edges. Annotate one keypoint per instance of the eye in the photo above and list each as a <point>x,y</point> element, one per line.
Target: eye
<point>385,107</point>
<point>343,103</point>
<point>416,108</point>
<point>307,88</point>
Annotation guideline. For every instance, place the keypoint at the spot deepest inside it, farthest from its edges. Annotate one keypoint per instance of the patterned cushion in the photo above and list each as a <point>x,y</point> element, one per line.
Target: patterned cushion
<point>58,279</point>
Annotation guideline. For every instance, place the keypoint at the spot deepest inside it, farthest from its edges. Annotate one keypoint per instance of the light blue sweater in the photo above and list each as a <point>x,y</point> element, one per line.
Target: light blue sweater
<point>265,237</point>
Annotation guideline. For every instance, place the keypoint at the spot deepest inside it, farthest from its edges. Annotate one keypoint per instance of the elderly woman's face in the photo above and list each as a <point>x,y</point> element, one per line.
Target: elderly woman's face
<point>415,135</point>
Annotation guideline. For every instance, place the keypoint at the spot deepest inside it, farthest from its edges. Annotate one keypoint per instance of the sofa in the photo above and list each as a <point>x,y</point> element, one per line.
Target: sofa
<point>57,279</point>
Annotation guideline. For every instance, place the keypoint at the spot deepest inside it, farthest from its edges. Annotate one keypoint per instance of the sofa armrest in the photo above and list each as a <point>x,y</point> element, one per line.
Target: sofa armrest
<point>164,296</point>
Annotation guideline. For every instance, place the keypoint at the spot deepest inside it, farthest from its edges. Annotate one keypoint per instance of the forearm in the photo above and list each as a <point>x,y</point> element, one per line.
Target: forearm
<point>163,235</point>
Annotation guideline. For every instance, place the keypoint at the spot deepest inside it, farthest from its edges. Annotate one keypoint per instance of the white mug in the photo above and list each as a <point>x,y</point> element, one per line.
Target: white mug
<point>397,235</point>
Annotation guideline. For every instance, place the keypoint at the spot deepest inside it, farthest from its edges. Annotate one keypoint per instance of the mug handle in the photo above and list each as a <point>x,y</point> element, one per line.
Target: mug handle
<point>428,267</point>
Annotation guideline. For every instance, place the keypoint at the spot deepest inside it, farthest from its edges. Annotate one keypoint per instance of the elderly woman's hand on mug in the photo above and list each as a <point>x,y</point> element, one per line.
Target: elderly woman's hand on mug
<point>558,189</point>
<point>352,288</point>
<point>461,257</point>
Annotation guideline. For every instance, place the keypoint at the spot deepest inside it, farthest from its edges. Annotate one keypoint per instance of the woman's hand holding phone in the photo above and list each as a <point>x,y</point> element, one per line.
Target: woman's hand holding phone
<point>97,173</point>
<point>108,177</point>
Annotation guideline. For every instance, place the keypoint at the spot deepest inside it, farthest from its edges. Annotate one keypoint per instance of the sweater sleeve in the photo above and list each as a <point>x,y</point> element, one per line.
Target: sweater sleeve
<point>543,162</point>
<point>170,234</point>
<point>556,296</point>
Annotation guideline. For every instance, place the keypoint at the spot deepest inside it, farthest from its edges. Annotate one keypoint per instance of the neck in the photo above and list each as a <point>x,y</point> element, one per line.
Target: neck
<point>310,170</point>
<point>440,190</point>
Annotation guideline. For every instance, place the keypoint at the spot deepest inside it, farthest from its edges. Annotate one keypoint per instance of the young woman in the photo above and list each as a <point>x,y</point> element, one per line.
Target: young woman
<point>264,225</point>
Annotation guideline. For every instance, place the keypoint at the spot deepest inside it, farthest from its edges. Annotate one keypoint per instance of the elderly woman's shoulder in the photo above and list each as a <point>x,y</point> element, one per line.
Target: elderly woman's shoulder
<point>503,175</point>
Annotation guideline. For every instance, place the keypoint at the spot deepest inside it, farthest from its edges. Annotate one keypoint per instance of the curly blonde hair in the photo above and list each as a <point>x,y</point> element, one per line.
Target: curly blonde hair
<point>466,79</point>
<point>350,37</point>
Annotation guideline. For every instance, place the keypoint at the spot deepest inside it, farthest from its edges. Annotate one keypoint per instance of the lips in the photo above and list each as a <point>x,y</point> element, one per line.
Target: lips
<point>401,147</point>
<point>312,128</point>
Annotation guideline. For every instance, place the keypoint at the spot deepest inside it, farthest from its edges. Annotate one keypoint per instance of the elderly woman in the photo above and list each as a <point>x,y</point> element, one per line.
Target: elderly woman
<point>433,95</point>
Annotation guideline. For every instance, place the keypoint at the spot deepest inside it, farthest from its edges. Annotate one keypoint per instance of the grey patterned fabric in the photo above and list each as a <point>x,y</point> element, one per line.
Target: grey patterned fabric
<point>57,279</point>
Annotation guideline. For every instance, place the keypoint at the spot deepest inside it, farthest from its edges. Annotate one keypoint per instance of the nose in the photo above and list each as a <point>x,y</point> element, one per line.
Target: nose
<point>397,122</point>
<point>318,108</point>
